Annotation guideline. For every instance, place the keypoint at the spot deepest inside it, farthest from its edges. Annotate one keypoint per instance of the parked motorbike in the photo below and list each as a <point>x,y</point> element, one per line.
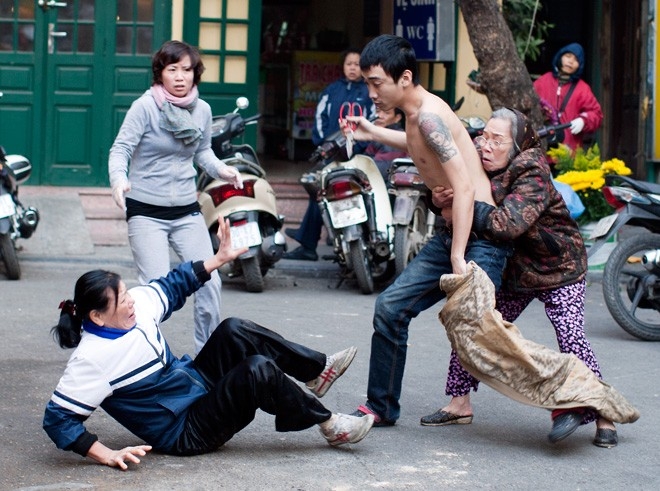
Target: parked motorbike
<point>414,222</point>
<point>631,278</point>
<point>16,221</point>
<point>251,211</point>
<point>356,211</point>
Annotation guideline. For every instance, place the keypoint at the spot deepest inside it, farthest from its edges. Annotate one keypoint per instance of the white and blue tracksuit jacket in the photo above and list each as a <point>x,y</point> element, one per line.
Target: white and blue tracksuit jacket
<point>131,374</point>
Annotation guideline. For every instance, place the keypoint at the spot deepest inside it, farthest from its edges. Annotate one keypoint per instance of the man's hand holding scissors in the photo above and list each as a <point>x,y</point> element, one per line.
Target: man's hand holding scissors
<point>347,111</point>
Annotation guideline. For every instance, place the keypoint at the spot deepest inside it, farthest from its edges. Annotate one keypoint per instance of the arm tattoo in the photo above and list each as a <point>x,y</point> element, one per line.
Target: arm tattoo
<point>437,136</point>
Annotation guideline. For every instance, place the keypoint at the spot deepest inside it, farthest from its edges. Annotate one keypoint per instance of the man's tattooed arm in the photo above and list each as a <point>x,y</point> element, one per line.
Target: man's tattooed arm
<point>437,136</point>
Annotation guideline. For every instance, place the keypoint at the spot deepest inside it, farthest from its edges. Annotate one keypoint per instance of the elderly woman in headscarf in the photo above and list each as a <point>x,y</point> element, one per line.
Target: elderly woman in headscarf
<point>549,262</point>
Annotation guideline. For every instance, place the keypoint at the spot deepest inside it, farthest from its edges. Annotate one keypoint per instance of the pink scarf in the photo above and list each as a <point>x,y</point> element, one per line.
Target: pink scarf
<point>161,95</point>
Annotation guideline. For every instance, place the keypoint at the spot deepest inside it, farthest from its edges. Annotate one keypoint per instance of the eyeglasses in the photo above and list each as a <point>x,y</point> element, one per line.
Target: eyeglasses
<point>493,144</point>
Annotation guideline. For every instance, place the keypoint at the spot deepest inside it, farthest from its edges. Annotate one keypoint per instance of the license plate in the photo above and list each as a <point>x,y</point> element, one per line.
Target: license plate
<point>403,209</point>
<point>603,226</point>
<point>349,211</point>
<point>7,207</point>
<point>245,235</point>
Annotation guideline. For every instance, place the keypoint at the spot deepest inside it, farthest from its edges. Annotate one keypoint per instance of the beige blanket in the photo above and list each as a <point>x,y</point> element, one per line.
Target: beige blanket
<point>495,352</point>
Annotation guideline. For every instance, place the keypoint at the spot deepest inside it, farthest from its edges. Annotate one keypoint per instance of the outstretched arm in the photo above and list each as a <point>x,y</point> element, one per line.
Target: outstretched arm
<point>367,131</point>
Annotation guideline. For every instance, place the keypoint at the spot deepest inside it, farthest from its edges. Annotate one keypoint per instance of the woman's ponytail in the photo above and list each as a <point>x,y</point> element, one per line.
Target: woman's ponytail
<point>92,292</point>
<point>68,329</point>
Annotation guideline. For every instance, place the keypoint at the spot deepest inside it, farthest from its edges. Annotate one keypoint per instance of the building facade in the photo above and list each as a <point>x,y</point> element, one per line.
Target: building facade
<point>70,69</point>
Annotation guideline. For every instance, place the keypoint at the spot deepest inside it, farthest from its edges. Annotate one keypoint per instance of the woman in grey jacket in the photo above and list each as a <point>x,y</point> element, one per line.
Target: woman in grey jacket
<point>152,173</point>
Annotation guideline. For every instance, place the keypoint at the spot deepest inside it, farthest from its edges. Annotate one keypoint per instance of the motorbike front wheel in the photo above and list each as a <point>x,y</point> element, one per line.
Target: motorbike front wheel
<point>409,239</point>
<point>254,280</point>
<point>631,291</point>
<point>361,266</point>
<point>9,257</point>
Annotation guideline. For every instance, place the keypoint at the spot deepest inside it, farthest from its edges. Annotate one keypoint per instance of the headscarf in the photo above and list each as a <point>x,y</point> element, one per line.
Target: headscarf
<point>175,115</point>
<point>526,136</point>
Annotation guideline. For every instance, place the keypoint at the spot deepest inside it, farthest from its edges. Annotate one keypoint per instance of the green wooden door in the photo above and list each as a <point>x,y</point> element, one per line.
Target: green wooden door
<point>20,129</point>
<point>69,70</point>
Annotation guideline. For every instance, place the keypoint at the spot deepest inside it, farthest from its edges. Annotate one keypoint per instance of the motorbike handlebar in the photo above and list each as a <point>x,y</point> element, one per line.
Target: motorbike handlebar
<point>546,131</point>
<point>252,119</point>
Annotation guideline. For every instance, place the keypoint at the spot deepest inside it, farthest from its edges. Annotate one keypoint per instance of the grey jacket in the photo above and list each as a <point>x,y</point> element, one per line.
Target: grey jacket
<point>162,169</point>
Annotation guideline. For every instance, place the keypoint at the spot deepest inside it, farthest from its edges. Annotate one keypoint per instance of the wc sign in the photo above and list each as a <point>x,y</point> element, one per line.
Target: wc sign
<point>429,26</point>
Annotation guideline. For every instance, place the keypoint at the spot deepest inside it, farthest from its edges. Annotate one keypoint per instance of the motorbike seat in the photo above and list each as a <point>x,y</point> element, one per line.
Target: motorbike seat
<point>641,186</point>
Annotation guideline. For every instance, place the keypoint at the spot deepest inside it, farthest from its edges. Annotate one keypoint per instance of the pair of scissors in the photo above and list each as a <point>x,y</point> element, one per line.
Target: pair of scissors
<point>351,109</point>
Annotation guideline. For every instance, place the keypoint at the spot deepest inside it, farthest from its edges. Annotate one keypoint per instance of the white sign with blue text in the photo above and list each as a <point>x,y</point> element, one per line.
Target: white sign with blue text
<point>429,25</point>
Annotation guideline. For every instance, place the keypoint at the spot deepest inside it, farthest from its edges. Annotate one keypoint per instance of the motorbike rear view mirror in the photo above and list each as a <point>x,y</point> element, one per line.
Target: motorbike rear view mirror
<point>242,102</point>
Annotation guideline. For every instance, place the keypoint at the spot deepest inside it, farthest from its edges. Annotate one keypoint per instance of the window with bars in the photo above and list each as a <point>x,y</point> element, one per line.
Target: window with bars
<point>223,40</point>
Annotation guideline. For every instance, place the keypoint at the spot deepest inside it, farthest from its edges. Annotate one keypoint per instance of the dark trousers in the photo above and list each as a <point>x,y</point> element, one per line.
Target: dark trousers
<point>247,367</point>
<point>310,228</point>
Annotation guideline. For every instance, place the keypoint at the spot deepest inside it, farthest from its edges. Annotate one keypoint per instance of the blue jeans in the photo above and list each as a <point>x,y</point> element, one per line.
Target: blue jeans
<point>414,291</point>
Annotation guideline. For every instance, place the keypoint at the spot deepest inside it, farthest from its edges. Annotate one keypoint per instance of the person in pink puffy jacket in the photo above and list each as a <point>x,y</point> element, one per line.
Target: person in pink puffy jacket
<point>580,107</point>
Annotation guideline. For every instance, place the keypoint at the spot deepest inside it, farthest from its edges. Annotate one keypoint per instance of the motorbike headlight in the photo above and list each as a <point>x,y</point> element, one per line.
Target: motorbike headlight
<point>219,126</point>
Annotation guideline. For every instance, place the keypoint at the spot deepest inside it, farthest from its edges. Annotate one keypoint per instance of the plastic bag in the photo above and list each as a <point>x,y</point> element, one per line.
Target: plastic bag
<point>571,198</point>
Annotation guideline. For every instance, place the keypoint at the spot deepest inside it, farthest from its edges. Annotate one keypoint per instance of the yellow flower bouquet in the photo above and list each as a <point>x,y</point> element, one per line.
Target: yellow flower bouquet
<point>585,173</point>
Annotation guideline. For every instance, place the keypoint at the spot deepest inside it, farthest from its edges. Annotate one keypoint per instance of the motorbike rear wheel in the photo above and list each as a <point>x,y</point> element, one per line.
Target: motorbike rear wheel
<point>409,239</point>
<point>9,257</point>
<point>630,290</point>
<point>361,266</point>
<point>254,280</point>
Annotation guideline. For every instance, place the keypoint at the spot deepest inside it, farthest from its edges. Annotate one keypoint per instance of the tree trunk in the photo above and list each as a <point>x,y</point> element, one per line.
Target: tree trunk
<point>504,78</point>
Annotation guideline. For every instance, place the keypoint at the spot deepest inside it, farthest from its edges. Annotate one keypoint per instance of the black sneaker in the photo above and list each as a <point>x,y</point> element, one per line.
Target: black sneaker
<point>301,254</point>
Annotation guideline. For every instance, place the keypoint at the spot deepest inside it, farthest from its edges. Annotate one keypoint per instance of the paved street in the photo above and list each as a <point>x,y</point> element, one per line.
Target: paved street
<point>504,448</point>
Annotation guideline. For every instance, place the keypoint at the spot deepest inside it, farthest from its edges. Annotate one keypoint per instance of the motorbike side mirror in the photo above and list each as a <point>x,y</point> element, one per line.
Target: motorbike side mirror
<point>242,102</point>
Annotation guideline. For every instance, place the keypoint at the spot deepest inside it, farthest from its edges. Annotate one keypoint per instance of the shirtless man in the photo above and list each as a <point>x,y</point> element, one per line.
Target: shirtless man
<point>443,152</point>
